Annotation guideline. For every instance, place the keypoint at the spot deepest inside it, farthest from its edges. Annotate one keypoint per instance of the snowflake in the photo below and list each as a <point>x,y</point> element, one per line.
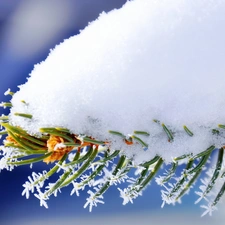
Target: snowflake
<point>93,200</point>
<point>75,188</point>
<point>125,195</point>
<point>8,154</point>
<point>160,180</point>
<point>130,193</point>
<point>28,186</point>
<point>208,209</point>
<point>201,193</point>
<point>34,182</point>
<point>42,197</point>
<point>167,198</point>
<point>3,163</point>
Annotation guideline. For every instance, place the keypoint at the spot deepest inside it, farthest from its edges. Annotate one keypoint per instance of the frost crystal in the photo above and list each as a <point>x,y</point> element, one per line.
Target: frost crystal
<point>42,199</point>
<point>75,188</point>
<point>128,195</point>
<point>208,209</point>
<point>93,200</point>
<point>33,183</point>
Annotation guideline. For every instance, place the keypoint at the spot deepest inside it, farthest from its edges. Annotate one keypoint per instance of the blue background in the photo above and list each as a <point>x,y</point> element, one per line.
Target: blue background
<point>15,65</point>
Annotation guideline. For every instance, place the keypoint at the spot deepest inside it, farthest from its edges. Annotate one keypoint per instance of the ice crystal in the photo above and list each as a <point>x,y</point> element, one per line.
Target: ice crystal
<point>93,200</point>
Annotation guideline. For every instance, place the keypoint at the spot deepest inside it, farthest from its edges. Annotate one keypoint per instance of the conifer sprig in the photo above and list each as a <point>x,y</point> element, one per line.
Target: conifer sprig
<point>83,161</point>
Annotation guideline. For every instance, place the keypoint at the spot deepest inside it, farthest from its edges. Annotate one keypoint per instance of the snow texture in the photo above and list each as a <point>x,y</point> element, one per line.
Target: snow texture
<point>148,60</point>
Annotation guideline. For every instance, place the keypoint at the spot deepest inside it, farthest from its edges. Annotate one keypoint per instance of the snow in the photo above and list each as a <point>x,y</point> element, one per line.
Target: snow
<point>149,60</point>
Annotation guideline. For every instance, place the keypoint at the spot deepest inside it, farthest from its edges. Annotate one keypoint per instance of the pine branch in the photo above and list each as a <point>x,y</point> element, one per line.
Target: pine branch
<point>84,161</point>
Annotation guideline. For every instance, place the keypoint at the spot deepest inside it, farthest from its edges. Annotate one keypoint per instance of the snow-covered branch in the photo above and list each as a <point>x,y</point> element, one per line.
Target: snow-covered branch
<point>144,83</point>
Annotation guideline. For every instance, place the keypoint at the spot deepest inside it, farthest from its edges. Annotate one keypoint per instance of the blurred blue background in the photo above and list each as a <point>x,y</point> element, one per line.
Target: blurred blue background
<point>28,30</point>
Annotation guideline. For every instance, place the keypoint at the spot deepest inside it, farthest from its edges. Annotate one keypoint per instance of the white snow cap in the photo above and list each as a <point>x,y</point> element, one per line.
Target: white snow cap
<point>151,59</point>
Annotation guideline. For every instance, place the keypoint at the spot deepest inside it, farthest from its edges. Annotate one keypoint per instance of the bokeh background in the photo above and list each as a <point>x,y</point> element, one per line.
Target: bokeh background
<point>28,30</point>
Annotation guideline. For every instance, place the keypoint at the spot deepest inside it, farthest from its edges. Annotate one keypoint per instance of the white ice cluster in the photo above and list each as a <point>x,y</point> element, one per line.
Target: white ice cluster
<point>148,60</point>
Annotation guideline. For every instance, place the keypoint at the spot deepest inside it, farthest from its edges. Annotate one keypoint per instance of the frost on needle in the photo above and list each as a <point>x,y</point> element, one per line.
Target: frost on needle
<point>139,88</point>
